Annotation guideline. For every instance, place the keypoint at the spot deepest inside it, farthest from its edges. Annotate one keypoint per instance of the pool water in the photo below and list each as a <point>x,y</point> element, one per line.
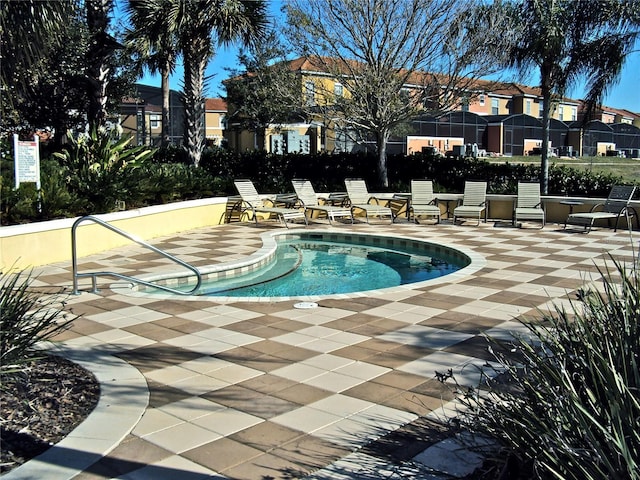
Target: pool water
<point>309,267</point>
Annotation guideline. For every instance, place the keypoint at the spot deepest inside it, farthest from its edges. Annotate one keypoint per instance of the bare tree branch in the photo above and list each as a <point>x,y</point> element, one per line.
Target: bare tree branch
<point>395,58</point>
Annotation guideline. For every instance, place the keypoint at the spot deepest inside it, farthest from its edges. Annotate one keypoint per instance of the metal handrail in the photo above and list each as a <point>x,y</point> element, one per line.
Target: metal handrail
<point>94,275</point>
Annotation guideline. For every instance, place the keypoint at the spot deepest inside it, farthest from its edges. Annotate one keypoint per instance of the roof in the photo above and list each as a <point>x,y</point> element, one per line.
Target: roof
<point>215,104</point>
<point>321,65</point>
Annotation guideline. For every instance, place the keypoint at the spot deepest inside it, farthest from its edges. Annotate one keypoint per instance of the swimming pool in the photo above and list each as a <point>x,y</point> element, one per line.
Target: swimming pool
<point>319,267</point>
<point>320,264</point>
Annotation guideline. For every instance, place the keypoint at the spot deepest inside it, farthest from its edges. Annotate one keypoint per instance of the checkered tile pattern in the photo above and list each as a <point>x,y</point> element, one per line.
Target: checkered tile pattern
<point>252,390</point>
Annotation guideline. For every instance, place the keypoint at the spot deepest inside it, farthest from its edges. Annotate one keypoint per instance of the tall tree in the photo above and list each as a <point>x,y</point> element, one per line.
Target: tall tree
<point>154,41</point>
<point>29,31</point>
<point>395,58</point>
<point>567,41</point>
<point>99,61</point>
<point>54,99</point>
<point>44,67</point>
<point>202,25</point>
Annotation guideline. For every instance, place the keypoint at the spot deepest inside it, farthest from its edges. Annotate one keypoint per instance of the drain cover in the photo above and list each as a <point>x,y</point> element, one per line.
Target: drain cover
<point>305,305</point>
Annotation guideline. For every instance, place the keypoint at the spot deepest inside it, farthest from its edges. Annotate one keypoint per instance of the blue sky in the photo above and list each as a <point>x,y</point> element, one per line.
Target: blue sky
<point>625,94</point>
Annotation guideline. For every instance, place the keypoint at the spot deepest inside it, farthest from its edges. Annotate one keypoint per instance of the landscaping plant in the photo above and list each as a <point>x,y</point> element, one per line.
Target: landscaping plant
<point>98,166</point>
<point>27,317</point>
<point>567,405</point>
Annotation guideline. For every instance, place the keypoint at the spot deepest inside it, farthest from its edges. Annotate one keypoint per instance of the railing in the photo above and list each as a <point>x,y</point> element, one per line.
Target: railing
<point>95,275</point>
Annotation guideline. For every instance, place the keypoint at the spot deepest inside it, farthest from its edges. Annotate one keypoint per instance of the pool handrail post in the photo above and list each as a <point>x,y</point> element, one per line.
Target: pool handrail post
<point>94,275</point>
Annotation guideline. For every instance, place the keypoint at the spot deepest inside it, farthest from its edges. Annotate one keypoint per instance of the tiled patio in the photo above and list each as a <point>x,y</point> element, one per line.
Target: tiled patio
<point>263,390</point>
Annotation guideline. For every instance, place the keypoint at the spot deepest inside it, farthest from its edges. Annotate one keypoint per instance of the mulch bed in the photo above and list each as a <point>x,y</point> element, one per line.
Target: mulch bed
<point>42,405</point>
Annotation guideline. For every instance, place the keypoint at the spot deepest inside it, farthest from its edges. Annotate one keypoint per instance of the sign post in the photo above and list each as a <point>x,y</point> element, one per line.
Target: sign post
<point>27,161</point>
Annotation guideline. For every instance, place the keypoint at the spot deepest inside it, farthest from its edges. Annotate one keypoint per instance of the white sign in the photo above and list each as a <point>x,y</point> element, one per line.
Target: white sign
<point>27,161</point>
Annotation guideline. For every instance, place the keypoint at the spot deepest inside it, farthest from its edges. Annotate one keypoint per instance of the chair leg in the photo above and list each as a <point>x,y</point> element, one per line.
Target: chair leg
<point>589,226</point>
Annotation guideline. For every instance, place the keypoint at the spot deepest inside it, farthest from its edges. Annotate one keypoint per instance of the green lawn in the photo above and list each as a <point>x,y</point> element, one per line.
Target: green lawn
<point>624,167</point>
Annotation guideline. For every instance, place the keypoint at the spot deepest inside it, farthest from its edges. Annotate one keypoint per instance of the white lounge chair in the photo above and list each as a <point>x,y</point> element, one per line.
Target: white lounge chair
<point>423,202</point>
<point>528,204</point>
<point>308,197</point>
<point>361,199</point>
<point>616,206</point>
<point>474,202</point>
<point>258,204</point>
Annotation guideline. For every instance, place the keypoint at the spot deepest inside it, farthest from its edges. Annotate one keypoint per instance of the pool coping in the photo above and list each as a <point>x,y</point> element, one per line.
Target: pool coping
<point>265,253</point>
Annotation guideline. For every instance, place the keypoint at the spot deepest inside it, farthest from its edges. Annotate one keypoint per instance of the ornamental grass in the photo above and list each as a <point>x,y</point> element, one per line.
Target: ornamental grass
<point>27,318</point>
<point>564,402</point>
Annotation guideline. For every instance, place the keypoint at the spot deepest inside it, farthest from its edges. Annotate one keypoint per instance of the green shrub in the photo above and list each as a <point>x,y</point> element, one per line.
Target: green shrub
<point>55,199</point>
<point>568,405</point>
<point>95,171</point>
<point>19,205</point>
<point>97,166</point>
<point>172,182</point>
<point>564,180</point>
<point>27,317</point>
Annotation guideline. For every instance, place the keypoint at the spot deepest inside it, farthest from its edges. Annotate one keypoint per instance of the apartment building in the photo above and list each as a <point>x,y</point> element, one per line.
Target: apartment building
<point>141,116</point>
<point>215,121</point>
<point>496,117</point>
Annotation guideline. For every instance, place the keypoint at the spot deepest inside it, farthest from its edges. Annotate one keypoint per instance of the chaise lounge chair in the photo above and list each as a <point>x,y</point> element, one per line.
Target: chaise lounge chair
<point>423,203</point>
<point>474,202</point>
<point>257,204</point>
<point>361,199</point>
<point>528,204</point>
<point>308,197</point>
<point>616,206</point>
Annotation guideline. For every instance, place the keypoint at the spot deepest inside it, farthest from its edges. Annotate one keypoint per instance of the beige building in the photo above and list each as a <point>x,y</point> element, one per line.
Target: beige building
<point>505,119</point>
<point>140,120</point>
<point>496,118</point>
<point>215,121</point>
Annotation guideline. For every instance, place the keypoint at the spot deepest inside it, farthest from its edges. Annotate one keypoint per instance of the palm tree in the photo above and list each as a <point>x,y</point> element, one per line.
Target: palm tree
<point>568,41</point>
<point>29,30</point>
<point>99,69</point>
<point>202,25</point>
<point>153,38</point>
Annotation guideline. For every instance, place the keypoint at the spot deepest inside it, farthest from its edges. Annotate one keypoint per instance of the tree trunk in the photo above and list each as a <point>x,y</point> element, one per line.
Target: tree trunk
<point>166,118</point>
<point>546,122</point>
<point>381,143</point>
<point>194,67</point>
<point>98,69</point>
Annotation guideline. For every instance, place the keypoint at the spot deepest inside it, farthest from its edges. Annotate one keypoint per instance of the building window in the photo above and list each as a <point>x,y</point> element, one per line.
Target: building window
<point>337,89</point>
<point>481,100</point>
<point>540,113</point>
<point>561,113</point>
<point>495,106</point>
<point>527,107</point>
<point>154,121</point>
<point>310,93</point>
<point>574,114</point>
<point>464,104</point>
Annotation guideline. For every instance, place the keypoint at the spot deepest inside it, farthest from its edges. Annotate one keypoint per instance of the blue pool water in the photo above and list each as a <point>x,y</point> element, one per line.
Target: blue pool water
<point>314,267</point>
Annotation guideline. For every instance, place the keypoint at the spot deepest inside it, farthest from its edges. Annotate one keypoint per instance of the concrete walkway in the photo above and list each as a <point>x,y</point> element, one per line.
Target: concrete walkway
<point>208,388</point>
